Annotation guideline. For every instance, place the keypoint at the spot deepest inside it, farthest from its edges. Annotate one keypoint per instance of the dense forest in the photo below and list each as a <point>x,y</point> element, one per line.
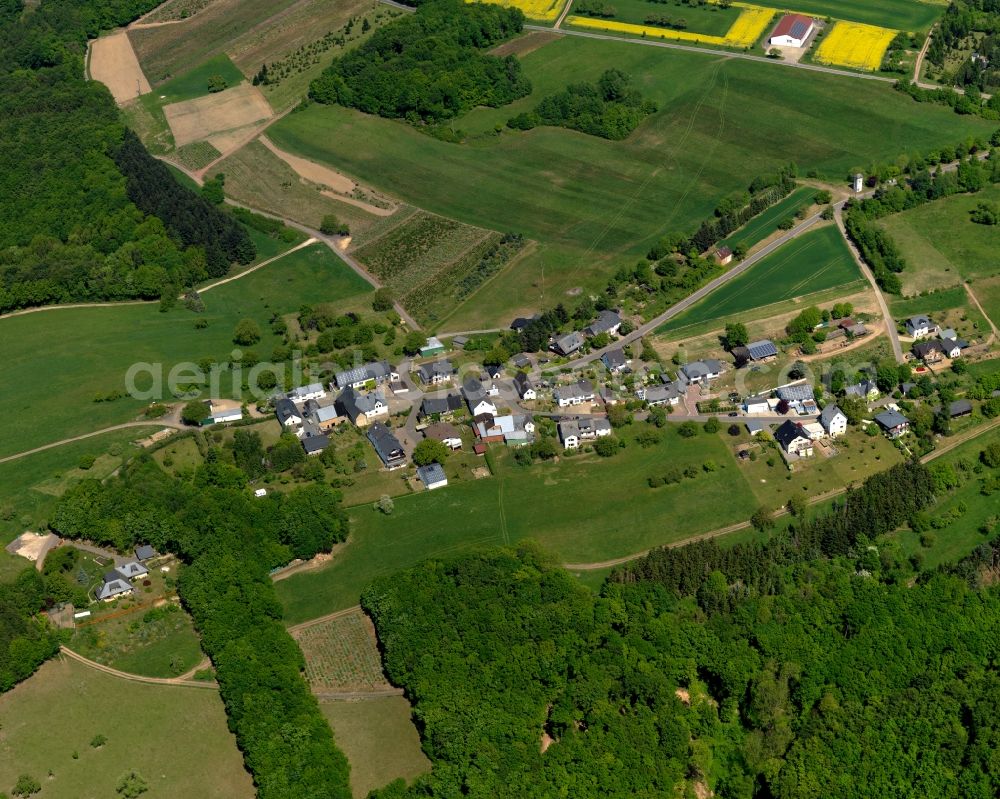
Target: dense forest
<point>965,22</point>
<point>70,228</point>
<point>611,108</point>
<point>231,541</point>
<point>429,66</point>
<point>25,642</point>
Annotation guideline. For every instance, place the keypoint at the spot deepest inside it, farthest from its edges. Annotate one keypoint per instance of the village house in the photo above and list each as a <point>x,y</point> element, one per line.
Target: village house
<point>144,552</point>
<point>615,361</point>
<point>289,416</point>
<point>866,390</point>
<point>362,408</point>
<point>375,373</point>
<point>432,476</point>
<point>313,391</point>
<point>757,404</point>
<point>436,372</point>
<point>792,30</point>
<point>440,406</point>
<point>893,423</point>
<point>387,446</point>
<point>446,433</point>
<point>723,256</point>
<point>575,432</point>
<point>606,322</point>
<point>928,351</point>
<point>952,347</point>
<point>794,439</point>
<point>568,344</point>
<point>834,421</point>
<point>659,395</point>
<point>477,397</point>
<point>814,430</point>
<point>325,416</point>
<point>512,430</point>
<point>700,371</point>
<point>132,570</point>
<point>114,586</point>
<point>525,390</point>
<point>314,441</point>
<point>576,394</point>
<point>920,327</point>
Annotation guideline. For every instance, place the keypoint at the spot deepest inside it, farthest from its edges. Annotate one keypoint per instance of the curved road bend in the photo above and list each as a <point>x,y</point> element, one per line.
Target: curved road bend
<point>136,677</point>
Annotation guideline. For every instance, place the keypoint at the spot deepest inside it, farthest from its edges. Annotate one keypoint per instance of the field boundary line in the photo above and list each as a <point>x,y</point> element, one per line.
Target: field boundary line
<point>91,434</point>
<point>307,243</point>
<point>124,675</point>
<point>305,625</point>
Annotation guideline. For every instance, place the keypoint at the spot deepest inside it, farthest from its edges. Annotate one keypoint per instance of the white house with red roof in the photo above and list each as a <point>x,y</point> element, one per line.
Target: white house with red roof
<point>792,31</point>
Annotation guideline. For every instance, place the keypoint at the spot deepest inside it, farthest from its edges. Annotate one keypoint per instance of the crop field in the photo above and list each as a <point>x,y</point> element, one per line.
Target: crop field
<point>176,738</point>
<point>342,655</point>
<point>748,28</point>
<point>812,262</point>
<point>711,19</point>
<point>908,15</point>
<point>545,10</point>
<point>763,225</point>
<point>176,9</point>
<point>379,739</point>
<point>551,502</point>
<point>89,350</point>
<point>583,198</point>
<point>851,44</point>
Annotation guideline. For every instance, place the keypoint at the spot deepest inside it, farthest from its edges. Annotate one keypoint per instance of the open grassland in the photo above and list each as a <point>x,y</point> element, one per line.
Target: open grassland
<point>31,485</point>
<point>908,15</point>
<point>559,504</point>
<point>583,198</point>
<point>545,10</point>
<point>87,351</point>
<point>194,82</point>
<point>815,261</point>
<point>748,28</point>
<point>852,44</point>
<point>342,655</point>
<point>710,18</point>
<point>176,738</point>
<point>942,246</point>
<point>379,739</point>
<point>763,225</point>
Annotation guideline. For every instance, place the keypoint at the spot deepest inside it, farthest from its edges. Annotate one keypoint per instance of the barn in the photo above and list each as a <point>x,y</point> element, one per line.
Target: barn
<point>792,31</point>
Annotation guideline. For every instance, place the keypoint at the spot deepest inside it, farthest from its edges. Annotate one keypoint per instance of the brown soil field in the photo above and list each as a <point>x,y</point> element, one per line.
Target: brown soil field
<point>523,45</point>
<point>201,118</point>
<point>113,63</point>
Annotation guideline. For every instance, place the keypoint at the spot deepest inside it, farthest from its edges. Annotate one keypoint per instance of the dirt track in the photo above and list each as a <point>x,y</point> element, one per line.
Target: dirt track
<point>113,63</point>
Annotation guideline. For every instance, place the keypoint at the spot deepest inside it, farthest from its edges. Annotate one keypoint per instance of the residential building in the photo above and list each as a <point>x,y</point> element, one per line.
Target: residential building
<point>436,372</point>
<point>375,373</point>
<point>576,394</point>
<point>866,390</point>
<point>514,430</point>
<point>568,344</point>
<point>834,421</point>
<point>132,570</point>
<point>700,371</point>
<point>723,255</point>
<point>313,391</point>
<point>362,408</point>
<point>432,476</point>
<point>928,351</point>
<point>573,433</point>
<point>920,327</point>
<point>606,322</point>
<point>314,441</point>
<point>524,387</point>
<point>792,30</point>
<point>796,393</point>
<point>477,397</point>
<point>659,395</point>
<point>952,347</point>
<point>446,433</point>
<point>893,423</point>
<point>440,406</point>
<point>615,360</point>
<point>144,552</point>
<point>814,430</point>
<point>794,439</point>
<point>114,586</point>
<point>758,404</point>
<point>289,416</point>
<point>433,346</point>
<point>387,446</point>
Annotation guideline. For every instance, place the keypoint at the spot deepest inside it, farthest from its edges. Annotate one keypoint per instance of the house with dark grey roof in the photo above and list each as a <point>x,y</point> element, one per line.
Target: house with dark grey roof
<point>144,552</point>
<point>522,361</point>
<point>432,476</point>
<point>575,432</point>
<point>794,439</point>
<point>114,586</point>
<point>667,394</point>
<point>834,421</point>
<point>606,322</point>
<point>960,408</point>
<point>377,372</point>
<point>929,351</point>
<point>615,360</point>
<point>700,371</point>
<point>525,388</point>
<point>440,406</point>
<point>568,344</point>
<point>952,347</point>
<point>387,446</point>
<point>477,397</point>
<point>289,416</point>
<point>796,393</point>
<point>362,409</point>
<point>576,394</point>
<point>314,441</point>
<point>893,423</point>
<point>522,322</point>
<point>436,372</point>
<point>866,390</point>
<point>920,326</point>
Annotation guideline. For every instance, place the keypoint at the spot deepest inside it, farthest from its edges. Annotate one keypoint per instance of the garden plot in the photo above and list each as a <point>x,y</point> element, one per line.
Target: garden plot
<point>113,63</point>
<point>216,115</point>
<point>342,656</point>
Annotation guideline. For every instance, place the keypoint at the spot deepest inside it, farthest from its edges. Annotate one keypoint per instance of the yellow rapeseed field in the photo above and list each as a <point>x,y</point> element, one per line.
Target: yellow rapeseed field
<point>851,44</point>
<point>536,9</point>
<point>747,29</point>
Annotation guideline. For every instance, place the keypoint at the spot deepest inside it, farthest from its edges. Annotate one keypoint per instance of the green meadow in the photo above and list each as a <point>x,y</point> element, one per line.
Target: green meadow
<point>907,15</point>
<point>194,83</point>
<point>594,204</point>
<point>763,225</point>
<point>815,261</point>
<point>58,361</point>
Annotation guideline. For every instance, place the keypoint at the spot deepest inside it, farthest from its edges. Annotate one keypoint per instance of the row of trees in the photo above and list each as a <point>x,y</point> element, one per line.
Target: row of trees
<point>429,66</point>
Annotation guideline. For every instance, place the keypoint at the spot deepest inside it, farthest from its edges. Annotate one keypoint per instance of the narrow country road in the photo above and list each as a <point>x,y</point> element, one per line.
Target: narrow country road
<point>124,675</point>
<point>920,56</point>
<point>563,15</point>
<point>255,267</point>
<point>102,431</point>
<point>975,301</point>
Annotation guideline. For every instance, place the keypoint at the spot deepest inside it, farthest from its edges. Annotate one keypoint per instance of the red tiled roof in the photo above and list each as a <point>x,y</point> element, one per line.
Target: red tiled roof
<point>794,25</point>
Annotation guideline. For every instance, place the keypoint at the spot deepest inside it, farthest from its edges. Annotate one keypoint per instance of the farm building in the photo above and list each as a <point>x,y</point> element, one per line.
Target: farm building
<point>755,352</point>
<point>432,476</point>
<point>432,346</point>
<point>792,30</point>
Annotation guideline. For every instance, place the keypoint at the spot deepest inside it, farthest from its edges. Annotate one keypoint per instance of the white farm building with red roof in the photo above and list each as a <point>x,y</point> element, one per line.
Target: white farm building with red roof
<point>792,31</point>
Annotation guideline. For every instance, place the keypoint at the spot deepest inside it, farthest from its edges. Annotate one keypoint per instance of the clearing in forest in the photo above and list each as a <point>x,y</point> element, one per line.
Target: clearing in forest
<point>113,63</point>
<point>342,655</point>
<point>215,116</point>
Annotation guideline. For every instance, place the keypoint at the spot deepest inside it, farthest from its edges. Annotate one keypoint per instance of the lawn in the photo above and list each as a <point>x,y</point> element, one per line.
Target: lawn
<point>813,262</point>
<point>554,503</point>
<point>763,225</point>
<point>942,246</point>
<point>87,351</point>
<point>379,739</point>
<point>593,204</point>
<point>176,738</point>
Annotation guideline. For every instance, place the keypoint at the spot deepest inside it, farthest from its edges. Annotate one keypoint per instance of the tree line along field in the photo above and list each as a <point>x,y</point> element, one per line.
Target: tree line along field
<point>766,223</point>
<point>812,262</point>
<point>582,197</point>
<point>175,737</point>
<point>89,350</point>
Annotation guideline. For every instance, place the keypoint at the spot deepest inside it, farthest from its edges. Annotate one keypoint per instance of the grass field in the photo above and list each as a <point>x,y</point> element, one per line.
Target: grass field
<point>711,19</point>
<point>87,351</point>
<point>763,225</point>
<point>194,82</point>
<point>815,261</point>
<point>593,204</point>
<point>556,503</point>
<point>908,15</point>
<point>379,739</point>
<point>176,738</point>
